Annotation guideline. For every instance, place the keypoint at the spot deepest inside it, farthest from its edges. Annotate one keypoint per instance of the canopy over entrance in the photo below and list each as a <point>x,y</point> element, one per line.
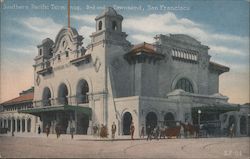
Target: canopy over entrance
<point>211,112</point>
<point>38,111</point>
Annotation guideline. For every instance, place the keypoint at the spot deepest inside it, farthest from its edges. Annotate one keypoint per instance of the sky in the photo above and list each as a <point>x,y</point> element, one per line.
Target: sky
<point>223,25</point>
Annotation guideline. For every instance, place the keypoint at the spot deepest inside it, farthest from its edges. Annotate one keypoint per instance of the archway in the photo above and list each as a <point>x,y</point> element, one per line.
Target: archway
<point>82,90</point>
<point>151,119</point>
<point>127,120</point>
<point>63,94</point>
<point>185,85</point>
<point>243,125</point>
<point>9,124</point>
<point>23,125</point>
<point>18,125</point>
<point>29,125</point>
<point>169,120</point>
<point>83,124</point>
<point>231,121</point>
<point>13,125</point>
<point>114,25</point>
<point>46,97</point>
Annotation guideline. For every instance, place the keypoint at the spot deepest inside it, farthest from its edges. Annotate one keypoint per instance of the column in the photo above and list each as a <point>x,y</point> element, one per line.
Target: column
<point>26,125</point>
<point>11,125</point>
<point>21,125</point>
<point>15,125</point>
<point>7,123</point>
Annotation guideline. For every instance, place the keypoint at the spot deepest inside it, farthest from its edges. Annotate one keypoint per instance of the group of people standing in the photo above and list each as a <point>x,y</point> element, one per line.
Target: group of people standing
<point>102,131</point>
<point>57,130</point>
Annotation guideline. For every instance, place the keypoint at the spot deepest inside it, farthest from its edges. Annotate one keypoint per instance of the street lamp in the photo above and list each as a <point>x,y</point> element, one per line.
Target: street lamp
<point>199,117</point>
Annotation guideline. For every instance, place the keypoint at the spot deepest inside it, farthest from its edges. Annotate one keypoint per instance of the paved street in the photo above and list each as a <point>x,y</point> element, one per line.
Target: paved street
<point>30,147</point>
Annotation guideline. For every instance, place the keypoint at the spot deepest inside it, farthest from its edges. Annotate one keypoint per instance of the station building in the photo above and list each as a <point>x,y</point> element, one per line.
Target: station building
<point>112,80</point>
<point>13,121</point>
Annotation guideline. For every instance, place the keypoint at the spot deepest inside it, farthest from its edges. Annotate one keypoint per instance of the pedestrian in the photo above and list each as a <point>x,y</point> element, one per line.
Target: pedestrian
<point>113,130</point>
<point>148,131</point>
<point>95,130</point>
<point>132,130</point>
<point>57,129</point>
<point>39,129</point>
<point>98,130</point>
<point>72,130</point>
<point>142,132</point>
<point>162,132</point>
<point>47,130</point>
<point>13,133</point>
<point>157,132</point>
<point>232,130</point>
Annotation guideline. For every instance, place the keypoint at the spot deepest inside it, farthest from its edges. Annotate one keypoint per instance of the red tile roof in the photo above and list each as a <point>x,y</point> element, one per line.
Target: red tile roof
<point>146,47</point>
<point>28,97</point>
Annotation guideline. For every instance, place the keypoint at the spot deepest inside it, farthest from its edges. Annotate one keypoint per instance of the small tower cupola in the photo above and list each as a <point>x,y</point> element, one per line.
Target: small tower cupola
<point>109,20</point>
<point>45,49</point>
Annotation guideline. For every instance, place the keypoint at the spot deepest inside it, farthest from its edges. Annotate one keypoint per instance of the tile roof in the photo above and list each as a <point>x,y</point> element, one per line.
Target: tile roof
<point>28,97</point>
<point>219,67</point>
<point>146,47</point>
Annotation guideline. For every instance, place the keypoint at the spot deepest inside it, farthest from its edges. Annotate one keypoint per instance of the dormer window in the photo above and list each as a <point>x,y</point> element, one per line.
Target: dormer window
<point>100,25</point>
<point>114,25</point>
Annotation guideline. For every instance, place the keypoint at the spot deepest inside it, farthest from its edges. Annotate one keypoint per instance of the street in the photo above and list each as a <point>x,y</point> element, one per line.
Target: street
<point>30,147</point>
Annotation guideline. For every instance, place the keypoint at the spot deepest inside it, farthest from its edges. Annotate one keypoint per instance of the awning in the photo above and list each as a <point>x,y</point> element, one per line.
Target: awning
<point>37,111</point>
<point>216,108</point>
<point>212,110</point>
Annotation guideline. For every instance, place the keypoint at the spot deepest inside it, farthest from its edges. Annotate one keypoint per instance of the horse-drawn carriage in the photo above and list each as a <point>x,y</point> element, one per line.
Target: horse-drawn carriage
<point>178,129</point>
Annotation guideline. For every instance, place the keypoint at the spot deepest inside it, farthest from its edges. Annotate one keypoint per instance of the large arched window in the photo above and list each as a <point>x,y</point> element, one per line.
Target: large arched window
<point>185,85</point>
<point>46,97</point>
<point>82,90</point>
<point>63,94</point>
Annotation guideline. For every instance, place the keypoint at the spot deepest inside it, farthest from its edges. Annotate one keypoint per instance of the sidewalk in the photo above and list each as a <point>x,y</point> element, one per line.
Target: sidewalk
<point>68,136</point>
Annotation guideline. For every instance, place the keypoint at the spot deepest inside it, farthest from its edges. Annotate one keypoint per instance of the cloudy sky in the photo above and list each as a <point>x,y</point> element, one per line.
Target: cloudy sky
<point>222,25</point>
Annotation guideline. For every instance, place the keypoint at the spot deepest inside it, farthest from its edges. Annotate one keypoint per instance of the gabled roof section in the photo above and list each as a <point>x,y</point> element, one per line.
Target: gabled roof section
<point>218,67</point>
<point>28,97</point>
<point>146,47</point>
<point>144,51</point>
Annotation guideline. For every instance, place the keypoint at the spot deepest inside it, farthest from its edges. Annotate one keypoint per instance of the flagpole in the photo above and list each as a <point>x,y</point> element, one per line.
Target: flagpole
<point>68,14</point>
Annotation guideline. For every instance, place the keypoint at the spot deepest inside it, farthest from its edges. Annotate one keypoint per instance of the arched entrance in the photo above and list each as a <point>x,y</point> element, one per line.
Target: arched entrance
<point>23,125</point>
<point>46,97</point>
<point>29,125</point>
<point>13,125</point>
<point>243,125</point>
<point>18,125</point>
<point>83,124</point>
<point>63,94</point>
<point>232,120</point>
<point>151,119</point>
<point>82,90</point>
<point>127,120</point>
<point>9,124</point>
<point>169,120</point>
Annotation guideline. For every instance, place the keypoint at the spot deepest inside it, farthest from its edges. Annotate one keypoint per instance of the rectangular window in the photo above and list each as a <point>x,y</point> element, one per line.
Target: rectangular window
<point>40,52</point>
<point>59,57</point>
